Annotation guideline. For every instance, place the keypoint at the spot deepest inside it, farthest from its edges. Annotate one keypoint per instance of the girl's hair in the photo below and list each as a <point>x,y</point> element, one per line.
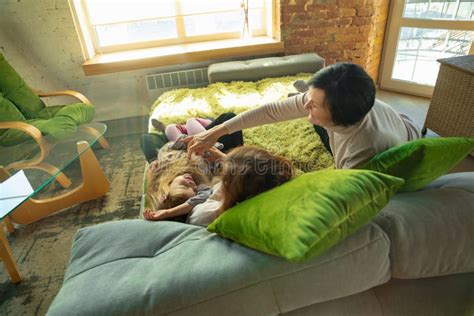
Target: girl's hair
<point>248,171</point>
<point>164,172</point>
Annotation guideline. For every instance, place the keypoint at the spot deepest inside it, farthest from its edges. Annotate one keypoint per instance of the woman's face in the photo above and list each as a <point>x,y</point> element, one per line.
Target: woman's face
<point>185,183</point>
<point>318,110</point>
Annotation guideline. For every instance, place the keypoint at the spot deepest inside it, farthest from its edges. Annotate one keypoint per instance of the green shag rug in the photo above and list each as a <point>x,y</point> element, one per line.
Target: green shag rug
<point>294,139</point>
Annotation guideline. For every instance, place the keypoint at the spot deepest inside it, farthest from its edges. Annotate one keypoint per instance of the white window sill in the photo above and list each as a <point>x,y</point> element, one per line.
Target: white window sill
<point>180,54</point>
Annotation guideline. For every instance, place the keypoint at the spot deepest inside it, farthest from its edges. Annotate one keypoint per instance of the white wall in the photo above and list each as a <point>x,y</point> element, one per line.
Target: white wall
<point>39,40</point>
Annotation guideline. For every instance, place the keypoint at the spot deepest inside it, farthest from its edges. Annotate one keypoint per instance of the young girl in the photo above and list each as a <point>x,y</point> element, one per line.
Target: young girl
<point>152,143</point>
<point>245,172</point>
<point>174,132</point>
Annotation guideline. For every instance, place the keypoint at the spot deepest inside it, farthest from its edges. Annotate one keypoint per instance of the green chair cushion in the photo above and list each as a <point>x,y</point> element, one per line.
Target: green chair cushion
<point>308,215</point>
<point>14,88</point>
<point>9,112</point>
<point>65,119</point>
<point>58,121</point>
<point>49,112</point>
<point>421,161</point>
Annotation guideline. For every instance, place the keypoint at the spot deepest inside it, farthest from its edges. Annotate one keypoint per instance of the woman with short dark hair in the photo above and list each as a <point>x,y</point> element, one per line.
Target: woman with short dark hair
<point>340,102</point>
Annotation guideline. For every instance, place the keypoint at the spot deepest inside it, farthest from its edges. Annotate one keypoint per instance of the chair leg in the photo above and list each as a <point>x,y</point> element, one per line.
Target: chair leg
<point>7,258</point>
<point>8,224</point>
<point>48,168</point>
<point>52,170</point>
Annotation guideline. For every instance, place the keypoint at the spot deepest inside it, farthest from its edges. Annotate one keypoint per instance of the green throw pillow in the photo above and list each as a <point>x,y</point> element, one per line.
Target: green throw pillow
<point>421,161</point>
<point>307,215</point>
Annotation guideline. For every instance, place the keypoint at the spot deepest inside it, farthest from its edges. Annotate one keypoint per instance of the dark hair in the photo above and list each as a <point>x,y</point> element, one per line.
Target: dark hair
<point>350,92</point>
<point>248,171</point>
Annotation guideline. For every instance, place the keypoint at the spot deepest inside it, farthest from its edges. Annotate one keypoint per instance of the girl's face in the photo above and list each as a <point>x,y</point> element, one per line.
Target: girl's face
<point>318,110</point>
<point>184,183</point>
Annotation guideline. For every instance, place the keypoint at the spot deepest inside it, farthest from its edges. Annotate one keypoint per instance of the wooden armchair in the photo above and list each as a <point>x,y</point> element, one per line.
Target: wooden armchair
<point>37,162</point>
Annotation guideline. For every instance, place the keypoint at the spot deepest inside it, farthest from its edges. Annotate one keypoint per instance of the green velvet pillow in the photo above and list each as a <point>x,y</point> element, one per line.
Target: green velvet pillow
<point>421,161</point>
<point>307,215</point>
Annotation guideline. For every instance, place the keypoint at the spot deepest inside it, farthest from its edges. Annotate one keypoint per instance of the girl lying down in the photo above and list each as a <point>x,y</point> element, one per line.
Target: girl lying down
<point>185,190</point>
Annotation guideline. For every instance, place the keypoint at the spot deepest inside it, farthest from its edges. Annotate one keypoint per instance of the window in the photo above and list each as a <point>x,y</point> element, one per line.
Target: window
<point>420,32</point>
<point>114,26</point>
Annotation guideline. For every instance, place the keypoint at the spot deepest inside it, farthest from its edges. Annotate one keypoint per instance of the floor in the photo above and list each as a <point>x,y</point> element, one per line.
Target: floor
<point>42,249</point>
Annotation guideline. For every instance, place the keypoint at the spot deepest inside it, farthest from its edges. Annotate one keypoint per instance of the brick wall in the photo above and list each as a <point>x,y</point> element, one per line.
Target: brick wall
<point>337,30</point>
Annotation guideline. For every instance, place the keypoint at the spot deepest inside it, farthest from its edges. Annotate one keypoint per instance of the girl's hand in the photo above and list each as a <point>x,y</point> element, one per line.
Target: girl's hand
<point>153,167</point>
<point>213,154</point>
<point>151,215</point>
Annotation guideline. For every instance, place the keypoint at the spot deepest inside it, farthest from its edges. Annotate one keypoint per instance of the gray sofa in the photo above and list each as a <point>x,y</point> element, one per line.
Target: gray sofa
<point>415,258</point>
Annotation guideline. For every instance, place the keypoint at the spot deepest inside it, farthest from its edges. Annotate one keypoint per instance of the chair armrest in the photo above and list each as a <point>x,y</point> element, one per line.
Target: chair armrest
<point>32,131</point>
<point>24,127</point>
<point>71,93</point>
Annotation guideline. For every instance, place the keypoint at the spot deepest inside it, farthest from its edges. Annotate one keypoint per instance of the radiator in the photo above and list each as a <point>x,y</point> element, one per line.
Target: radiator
<point>159,83</point>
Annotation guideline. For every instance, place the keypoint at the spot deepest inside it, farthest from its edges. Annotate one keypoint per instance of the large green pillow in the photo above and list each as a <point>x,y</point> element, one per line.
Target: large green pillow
<point>307,215</point>
<point>421,161</point>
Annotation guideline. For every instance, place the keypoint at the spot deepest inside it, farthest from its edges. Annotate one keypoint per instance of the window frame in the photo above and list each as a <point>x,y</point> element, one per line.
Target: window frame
<point>90,38</point>
<point>395,22</point>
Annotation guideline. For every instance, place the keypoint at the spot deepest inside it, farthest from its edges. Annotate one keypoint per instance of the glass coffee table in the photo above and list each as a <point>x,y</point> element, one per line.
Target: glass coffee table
<point>27,168</point>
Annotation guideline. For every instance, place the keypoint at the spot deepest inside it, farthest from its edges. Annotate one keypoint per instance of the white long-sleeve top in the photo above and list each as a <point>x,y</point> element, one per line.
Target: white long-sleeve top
<point>380,129</point>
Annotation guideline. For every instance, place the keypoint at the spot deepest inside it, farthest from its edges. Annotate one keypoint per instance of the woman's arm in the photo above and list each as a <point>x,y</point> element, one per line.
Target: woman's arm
<point>272,112</point>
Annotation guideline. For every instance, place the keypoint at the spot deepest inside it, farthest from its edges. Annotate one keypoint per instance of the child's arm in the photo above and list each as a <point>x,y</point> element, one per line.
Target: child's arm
<point>213,154</point>
<point>181,209</point>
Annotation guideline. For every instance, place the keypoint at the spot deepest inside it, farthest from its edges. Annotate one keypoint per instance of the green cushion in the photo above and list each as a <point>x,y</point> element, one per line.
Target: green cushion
<point>308,215</point>
<point>14,88</point>
<point>49,112</point>
<point>11,137</point>
<point>58,121</point>
<point>421,161</point>
<point>65,120</point>
<point>8,113</point>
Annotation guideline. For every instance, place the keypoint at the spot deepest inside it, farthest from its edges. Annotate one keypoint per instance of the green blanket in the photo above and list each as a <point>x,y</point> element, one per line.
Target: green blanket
<point>294,139</point>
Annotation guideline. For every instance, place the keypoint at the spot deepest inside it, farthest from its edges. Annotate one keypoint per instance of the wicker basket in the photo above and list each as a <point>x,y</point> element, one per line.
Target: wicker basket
<point>451,111</point>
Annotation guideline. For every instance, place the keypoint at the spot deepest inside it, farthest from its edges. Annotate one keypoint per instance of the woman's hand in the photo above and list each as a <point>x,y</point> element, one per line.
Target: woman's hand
<point>201,142</point>
<point>151,215</point>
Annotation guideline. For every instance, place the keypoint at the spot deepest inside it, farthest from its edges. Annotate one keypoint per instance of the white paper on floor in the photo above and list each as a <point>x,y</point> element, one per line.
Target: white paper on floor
<point>13,191</point>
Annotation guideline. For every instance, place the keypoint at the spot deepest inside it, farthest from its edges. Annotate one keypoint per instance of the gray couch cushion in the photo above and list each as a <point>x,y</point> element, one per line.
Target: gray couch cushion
<point>256,69</point>
<point>140,267</point>
<point>431,231</point>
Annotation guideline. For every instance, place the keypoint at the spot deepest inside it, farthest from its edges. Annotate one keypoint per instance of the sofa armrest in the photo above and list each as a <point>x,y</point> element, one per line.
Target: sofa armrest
<point>71,93</point>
